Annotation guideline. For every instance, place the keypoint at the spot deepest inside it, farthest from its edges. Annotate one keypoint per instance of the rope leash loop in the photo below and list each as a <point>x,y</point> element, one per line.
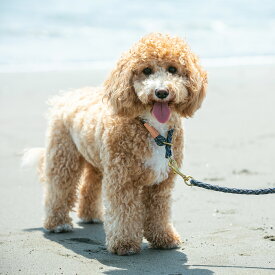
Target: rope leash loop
<point>189,180</point>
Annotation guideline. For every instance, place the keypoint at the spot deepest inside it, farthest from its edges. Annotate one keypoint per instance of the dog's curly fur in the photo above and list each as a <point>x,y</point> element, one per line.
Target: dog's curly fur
<point>95,142</point>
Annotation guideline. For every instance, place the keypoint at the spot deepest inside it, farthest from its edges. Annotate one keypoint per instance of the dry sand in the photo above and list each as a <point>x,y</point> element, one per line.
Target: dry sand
<point>231,142</point>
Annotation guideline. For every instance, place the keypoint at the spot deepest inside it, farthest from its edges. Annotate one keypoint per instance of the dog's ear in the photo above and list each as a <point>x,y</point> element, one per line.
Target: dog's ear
<point>196,85</point>
<point>119,90</point>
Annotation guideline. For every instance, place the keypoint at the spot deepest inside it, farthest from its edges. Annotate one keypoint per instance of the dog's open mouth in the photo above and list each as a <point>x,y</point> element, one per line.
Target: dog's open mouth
<point>161,111</point>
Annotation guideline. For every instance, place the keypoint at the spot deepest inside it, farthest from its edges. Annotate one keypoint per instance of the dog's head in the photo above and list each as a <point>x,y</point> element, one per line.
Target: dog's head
<point>159,74</point>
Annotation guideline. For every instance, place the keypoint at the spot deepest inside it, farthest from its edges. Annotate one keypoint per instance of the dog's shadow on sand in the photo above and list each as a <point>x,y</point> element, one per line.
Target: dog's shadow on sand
<point>89,242</point>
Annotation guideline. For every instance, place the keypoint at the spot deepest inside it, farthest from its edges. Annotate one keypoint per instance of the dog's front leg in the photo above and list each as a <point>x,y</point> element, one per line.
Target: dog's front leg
<point>123,220</point>
<point>158,229</point>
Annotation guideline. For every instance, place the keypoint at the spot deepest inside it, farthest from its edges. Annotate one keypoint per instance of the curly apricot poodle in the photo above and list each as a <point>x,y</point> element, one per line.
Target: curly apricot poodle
<point>97,144</point>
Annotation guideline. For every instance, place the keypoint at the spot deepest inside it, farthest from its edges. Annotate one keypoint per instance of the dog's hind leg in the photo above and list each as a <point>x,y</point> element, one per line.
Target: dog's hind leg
<point>63,167</point>
<point>90,201</point>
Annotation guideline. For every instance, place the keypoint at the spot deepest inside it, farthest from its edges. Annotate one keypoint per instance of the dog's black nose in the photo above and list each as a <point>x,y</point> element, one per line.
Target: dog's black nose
<point>161,93</point>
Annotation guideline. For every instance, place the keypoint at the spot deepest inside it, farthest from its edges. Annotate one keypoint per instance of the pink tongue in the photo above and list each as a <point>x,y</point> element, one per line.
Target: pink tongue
<point>161,111</point>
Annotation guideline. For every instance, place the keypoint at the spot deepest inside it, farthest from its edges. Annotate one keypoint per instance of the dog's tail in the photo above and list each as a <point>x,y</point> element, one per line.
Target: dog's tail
<point>35,157</point>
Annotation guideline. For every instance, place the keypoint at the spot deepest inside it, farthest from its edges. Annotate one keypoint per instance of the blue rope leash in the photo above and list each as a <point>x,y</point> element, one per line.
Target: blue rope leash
<point>190,181</point>
<point>194,182</point>
<point>167,142</point>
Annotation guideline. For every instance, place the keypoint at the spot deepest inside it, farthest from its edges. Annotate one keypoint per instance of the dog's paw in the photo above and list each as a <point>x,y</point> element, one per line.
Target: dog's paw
<point>124,248</point>
<point>165,240</point>
<point>62,228</point>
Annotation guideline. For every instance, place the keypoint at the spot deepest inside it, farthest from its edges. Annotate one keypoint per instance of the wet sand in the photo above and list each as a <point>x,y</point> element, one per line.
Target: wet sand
<point>230,142</point>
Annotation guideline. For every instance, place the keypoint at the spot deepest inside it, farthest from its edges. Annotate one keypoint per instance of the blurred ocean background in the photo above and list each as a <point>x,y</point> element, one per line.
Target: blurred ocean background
<point>70,35</point>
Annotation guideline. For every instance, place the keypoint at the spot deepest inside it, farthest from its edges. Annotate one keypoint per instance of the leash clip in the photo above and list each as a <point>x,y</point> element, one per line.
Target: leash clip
<point>174,166</point>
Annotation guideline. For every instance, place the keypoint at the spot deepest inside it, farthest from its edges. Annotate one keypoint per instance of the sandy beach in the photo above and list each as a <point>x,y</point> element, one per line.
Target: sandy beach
<point>229,142</point>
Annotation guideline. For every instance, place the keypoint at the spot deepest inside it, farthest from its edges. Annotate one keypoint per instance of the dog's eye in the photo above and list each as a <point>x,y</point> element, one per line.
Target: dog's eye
<point>172,70</point>
<point>147,71</point>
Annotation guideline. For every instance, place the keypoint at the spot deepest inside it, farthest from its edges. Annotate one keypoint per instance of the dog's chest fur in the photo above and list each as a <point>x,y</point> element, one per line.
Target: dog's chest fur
<point>157,161</point>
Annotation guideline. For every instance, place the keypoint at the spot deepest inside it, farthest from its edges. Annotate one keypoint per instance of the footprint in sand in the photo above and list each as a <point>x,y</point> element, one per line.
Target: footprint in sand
<point>270,237</point>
